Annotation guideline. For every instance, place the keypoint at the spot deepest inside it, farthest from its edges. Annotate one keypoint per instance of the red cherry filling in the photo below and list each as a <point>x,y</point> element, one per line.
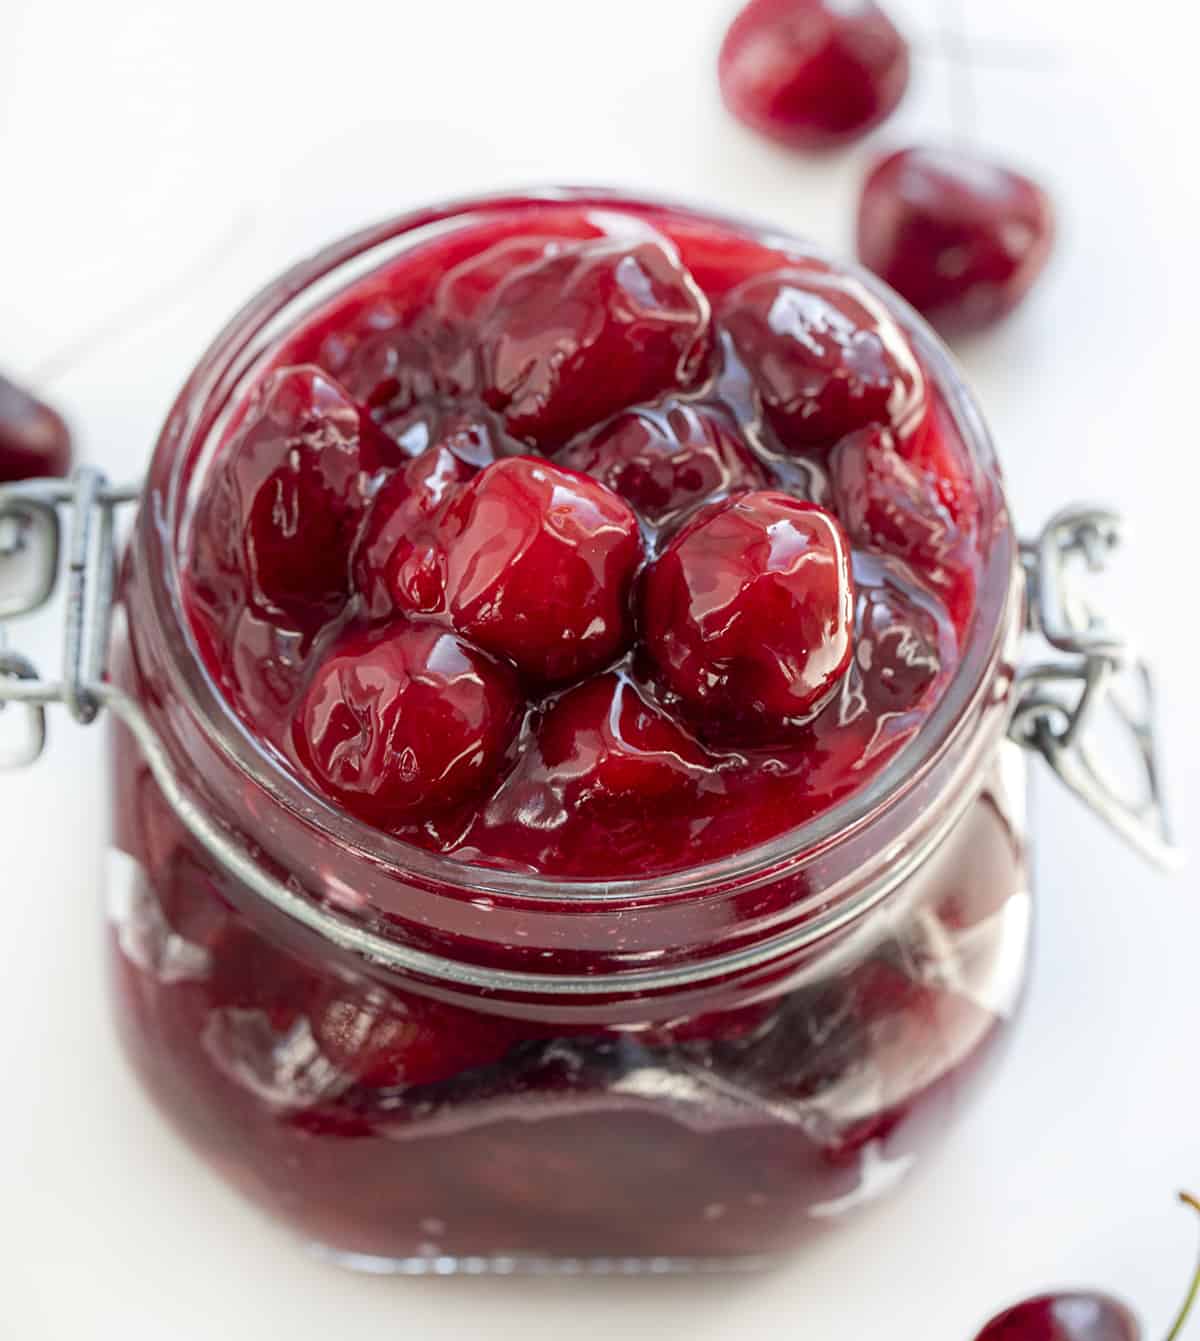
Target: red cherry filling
<point>34,440</point>
<point>539,563</point>
<point>887,503</point>
<point>289,494</point>
<point>605,741</point>
<point>812,74</point>
<point>384,1040</point>
<point>1075,1316</point>
<point>586,330</point>
<point>962,238</point>
<point>826,357</point>
<point>667,462</point>
<point>748,612</point>
<point>399,563</point>
<point>405,720</point>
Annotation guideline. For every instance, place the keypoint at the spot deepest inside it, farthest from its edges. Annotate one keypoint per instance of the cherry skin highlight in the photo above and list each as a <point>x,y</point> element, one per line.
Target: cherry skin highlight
<point>405,720</point>
<point>34,441</point>
<point>749,611</point>
<point>539,564</point>
<point>399,563</point>
<point>586,330</point>
<point>291,492</point>
<point>1064,1317</point>
<point>606,741</point>
<point>962,238</point>
<point>825,356</point>
<point>813,74</point>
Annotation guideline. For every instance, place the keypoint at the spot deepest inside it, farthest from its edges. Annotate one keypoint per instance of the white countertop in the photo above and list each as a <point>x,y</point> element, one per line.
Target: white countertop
<point>159,162</point>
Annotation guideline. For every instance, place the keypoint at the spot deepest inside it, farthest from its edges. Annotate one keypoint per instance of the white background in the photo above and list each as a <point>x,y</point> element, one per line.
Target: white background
<point>158,162</point>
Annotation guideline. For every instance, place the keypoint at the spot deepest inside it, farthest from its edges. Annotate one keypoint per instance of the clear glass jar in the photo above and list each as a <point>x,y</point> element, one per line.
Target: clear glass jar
<point>421,1065</point>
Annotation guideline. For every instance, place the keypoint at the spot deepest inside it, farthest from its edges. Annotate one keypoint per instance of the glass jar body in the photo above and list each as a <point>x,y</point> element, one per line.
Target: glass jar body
<point>432,1133</point>
<point>734,1058</point>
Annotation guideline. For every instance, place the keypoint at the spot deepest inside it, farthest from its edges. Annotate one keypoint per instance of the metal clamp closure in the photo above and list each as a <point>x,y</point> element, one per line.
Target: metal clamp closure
<point>1095,691</point>
<point>30,545</point>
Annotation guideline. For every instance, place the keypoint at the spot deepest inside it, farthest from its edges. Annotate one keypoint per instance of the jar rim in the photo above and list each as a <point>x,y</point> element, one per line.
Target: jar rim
<point>237,350</point>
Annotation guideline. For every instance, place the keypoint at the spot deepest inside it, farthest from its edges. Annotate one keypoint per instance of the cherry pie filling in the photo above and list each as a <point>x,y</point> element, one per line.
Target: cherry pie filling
<point>587,545</point>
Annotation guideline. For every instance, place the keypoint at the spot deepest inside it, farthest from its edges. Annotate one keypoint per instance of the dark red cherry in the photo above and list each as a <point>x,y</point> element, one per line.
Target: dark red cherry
<point>402,721</point>
<point>825,355</point>
<point>34,440</point>
<point>387,1040</point>
<point>539,564</point>
<point>667,461</point>
<point>813,74</point>
<point>887,503</point>
<point>586,330</point>
<point>748,612</point>
<point>605,741</point>
<point>1064,1317</point>
<point>399,563</point>
<point>294,488</point>
<point>961,237</point>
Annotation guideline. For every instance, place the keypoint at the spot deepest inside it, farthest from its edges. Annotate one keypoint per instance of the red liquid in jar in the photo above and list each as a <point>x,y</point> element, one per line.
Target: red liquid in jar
<point>380,1120</point>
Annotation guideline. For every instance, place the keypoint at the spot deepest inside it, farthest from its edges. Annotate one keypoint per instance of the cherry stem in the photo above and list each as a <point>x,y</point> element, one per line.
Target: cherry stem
<point>1177,1329</point>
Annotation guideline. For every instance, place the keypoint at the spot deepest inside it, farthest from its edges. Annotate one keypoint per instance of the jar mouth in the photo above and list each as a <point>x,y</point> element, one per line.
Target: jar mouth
<point>194,426</point>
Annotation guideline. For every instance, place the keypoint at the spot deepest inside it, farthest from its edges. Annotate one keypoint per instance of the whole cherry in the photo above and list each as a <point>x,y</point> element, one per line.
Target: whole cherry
<point>539,562</point>
<point>1079,1315</point>
<point>961,237</point>
<point>813,74</point>
<point>748,612</point>
<point>34,440</point>
<point>404,720</point>
<point>825,356</point>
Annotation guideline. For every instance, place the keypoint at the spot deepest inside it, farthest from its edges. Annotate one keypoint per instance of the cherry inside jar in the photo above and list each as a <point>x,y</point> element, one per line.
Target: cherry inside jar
<point>610,606</point>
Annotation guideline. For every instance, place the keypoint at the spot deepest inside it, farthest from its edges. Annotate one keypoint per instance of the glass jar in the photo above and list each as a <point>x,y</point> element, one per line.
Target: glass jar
<point>421,1065</point>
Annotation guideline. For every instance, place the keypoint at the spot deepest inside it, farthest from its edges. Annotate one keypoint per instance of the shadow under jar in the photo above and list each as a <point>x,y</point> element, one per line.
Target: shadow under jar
<point>655,1045</point>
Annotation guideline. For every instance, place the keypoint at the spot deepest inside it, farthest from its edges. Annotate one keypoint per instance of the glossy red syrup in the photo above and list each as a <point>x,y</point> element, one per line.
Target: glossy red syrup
<point>508,479</point>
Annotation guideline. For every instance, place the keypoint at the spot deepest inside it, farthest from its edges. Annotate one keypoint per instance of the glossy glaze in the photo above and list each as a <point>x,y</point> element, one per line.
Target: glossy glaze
<point>446,443</point>
<point>813,74</point>
<point>961,237</point>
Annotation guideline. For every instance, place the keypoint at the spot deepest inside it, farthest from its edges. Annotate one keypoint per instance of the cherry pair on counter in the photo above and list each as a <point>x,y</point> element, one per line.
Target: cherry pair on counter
<point>959,236</point>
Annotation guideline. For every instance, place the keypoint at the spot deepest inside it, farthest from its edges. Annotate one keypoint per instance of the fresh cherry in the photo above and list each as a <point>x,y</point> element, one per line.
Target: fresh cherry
<point>888,504</point>
<point>604,740</point>
<point>813,74</point>
<point>291,491</point>
<point>962,238</point>
<point>539,564</point>
<point>34,440</point>
<point>825,355</point>
<point>586,330</point>
<point>404,720</point>
<point>748,612</point>
<point>665,462</point>
<point>398,562</point>
<point>1078,1315</point>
